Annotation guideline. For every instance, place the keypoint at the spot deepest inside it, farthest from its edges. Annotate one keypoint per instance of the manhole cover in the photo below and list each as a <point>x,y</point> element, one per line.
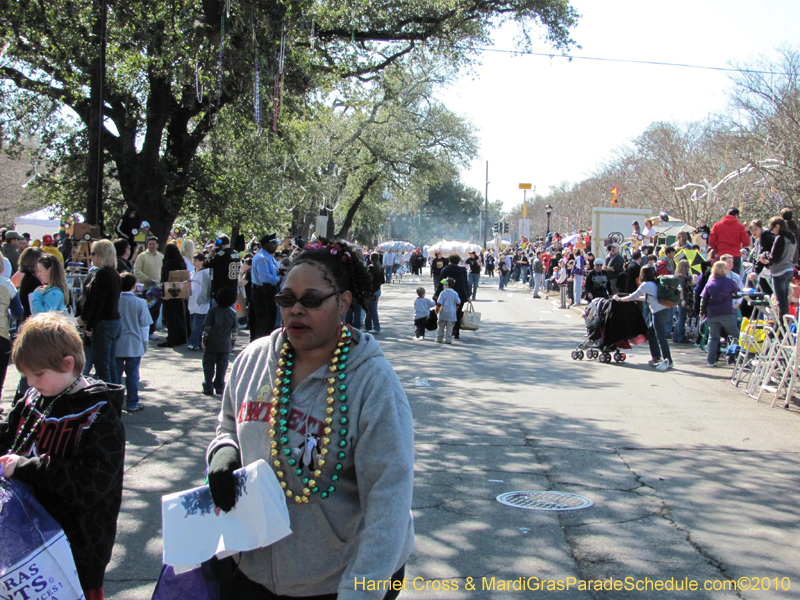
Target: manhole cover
<point>545,500</point>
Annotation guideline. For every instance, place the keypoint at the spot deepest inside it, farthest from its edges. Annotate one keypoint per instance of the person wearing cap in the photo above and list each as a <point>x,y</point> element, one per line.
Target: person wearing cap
<point>49,247</point>
<point>264,276</point>
<point>225,266</point>
<point>448,305</point>
<point>729,236</point>
<point>597,283</point>
<point>11,250</point>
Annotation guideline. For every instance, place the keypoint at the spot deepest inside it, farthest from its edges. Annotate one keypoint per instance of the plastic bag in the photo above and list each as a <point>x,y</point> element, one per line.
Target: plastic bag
<point>35,556</point>
<point>191,585</point>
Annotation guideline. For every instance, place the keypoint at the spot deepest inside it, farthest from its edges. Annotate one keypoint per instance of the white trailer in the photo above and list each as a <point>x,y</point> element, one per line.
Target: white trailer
<point>608,221</point>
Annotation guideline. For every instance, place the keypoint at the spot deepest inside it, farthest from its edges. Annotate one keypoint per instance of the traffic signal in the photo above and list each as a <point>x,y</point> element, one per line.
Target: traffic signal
<point>494,227</point>
<point>505,227</point>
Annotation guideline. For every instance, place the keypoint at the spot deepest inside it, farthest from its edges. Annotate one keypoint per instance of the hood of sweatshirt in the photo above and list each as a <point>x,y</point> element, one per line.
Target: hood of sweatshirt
<point>363,348</point>
<point>730,220</point>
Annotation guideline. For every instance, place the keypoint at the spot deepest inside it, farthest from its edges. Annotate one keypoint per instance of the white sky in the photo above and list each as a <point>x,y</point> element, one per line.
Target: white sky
<point>544,121</point>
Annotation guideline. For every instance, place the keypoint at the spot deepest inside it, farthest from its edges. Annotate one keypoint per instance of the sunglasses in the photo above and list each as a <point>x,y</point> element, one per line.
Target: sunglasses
<point>306,301</point>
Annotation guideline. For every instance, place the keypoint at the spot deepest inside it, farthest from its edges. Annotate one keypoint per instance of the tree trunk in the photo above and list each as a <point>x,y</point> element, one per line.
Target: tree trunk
<point>351,213</point>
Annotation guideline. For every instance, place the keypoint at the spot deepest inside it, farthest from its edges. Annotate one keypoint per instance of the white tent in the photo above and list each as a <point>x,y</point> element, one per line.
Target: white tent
<point>449,247</point>
<point>37,224</point>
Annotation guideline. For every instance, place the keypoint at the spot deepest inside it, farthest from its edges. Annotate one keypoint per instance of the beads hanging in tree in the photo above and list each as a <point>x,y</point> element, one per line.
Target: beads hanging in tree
<point>198,84</point>
<point>219,68</point>
<point>278,76</point>
<point>257,97</point>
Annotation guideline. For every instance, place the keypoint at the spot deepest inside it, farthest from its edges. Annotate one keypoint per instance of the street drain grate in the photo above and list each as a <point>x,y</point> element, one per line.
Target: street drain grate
<point>545,500</point>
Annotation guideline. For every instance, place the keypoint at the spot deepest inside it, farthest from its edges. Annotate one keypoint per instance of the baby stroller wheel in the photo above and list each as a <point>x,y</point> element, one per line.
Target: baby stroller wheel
<point>580,354</point>
<point>607,357</point>
<point>617,357</point>
<point>600,357</point>
<point>574,355</point>
<point>623,356</point>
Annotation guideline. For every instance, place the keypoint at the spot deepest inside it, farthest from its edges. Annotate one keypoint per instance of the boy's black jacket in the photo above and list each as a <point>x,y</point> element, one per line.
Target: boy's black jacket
<point>74,465</point>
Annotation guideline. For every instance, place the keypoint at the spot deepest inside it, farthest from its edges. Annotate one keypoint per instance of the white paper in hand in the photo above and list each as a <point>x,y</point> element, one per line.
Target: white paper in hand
<point>195,529</point>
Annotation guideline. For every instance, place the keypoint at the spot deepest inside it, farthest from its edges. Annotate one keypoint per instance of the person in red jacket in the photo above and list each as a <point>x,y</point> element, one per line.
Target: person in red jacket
<point>729,236</point>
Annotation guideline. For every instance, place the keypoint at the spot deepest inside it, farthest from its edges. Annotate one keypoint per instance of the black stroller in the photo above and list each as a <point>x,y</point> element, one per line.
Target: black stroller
<point>611,326</point>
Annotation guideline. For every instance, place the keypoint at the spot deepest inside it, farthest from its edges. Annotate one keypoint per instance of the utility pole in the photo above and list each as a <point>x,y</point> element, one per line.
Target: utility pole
<point>94,199</point>
<point>486,208</point>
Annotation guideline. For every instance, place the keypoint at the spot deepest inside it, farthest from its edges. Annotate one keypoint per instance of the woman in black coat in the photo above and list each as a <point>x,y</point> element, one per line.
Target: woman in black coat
<point>100,311</point>
<point>174,309</point>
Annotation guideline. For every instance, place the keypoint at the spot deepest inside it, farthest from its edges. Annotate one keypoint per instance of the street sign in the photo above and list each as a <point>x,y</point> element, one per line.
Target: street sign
<point>524,186</point>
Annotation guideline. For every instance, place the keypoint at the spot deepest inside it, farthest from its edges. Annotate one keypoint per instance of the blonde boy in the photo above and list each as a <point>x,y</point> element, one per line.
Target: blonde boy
<point>64,439</point>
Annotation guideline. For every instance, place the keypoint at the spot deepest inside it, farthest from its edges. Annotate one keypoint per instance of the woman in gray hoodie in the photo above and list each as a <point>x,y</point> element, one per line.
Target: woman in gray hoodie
<point>319,402</point>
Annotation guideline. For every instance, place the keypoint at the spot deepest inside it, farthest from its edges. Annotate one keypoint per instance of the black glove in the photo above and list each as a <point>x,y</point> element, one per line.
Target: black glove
<point>221,481</point>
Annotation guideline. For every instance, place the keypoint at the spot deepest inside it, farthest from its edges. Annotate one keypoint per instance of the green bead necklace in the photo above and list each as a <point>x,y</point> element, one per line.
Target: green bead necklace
<point>20,442</point>
<point>279,413</point>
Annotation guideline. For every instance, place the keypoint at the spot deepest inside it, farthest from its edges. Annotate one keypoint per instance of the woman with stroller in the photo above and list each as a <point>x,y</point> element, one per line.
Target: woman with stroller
<point>658,326</point>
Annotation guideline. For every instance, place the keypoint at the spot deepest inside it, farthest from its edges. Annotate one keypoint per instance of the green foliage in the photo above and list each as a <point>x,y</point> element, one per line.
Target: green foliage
<point>162,100</point>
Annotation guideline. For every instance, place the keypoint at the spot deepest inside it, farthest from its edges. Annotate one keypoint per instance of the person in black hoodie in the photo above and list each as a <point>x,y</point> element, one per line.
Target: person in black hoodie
<point>458,273</point>
<point>128,226</point>
<point>66,441</point>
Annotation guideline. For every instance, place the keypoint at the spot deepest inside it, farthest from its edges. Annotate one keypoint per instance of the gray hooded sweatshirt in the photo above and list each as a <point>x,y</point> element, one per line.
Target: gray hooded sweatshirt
<point>363,531</point>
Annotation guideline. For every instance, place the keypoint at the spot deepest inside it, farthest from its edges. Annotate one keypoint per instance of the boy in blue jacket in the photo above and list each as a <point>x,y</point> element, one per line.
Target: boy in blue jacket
<point>132,344</point>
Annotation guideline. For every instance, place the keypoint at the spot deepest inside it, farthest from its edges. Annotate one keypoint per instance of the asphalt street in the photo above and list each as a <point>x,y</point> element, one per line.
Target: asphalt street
<point>692,480</point>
